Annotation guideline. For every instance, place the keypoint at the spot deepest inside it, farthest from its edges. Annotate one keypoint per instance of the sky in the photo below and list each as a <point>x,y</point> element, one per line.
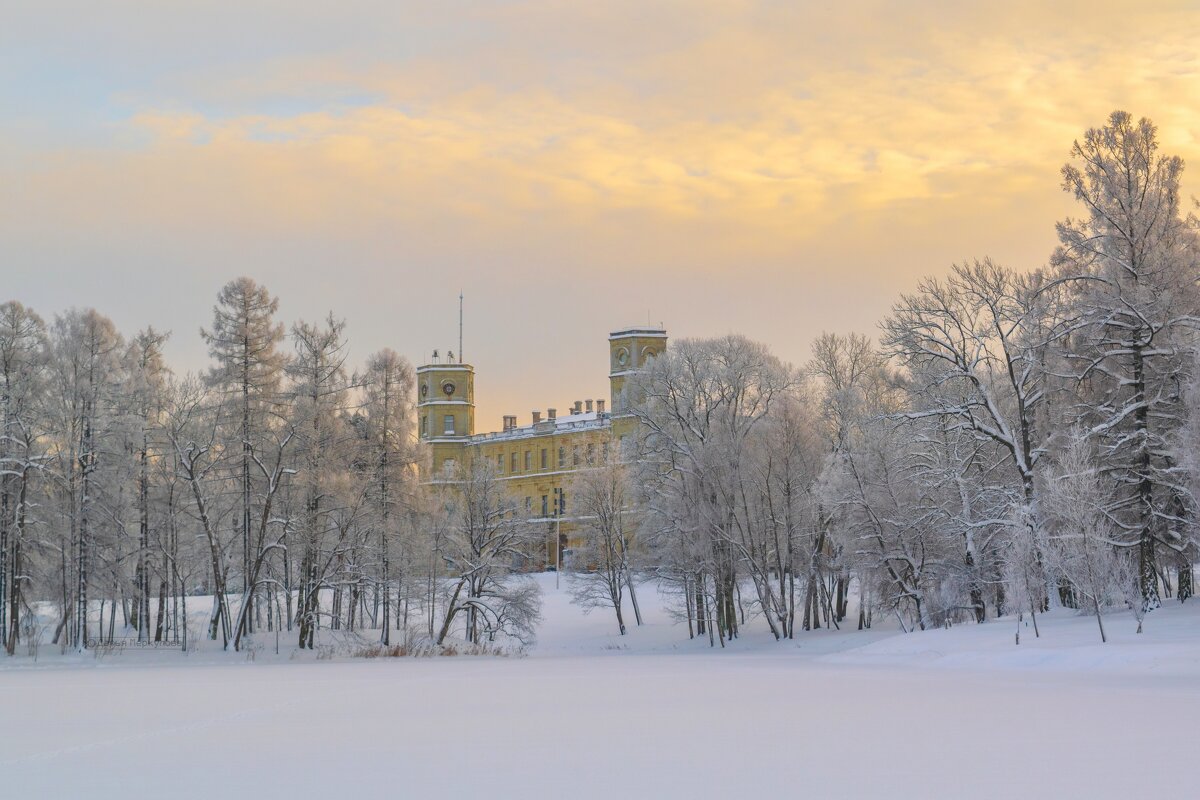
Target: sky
<point>775,169</point>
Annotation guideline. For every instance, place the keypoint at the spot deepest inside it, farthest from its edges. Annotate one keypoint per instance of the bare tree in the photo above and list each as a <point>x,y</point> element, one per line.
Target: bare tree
<point>702,406</point>
<point>606,558</point>
<point>23,360</point>
<point>389,411</point>
<point>977,344</point>
<point>193,423</point>
<point>1081,535</point>
<point>85,346</point>
<point>320,385</point>
<point>850,380</point>
<point>145,392</point>
<point>487,544</point>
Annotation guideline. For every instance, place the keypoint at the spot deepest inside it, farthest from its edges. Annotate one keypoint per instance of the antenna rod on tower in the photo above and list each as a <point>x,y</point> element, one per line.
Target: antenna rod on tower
<point>460,295</point>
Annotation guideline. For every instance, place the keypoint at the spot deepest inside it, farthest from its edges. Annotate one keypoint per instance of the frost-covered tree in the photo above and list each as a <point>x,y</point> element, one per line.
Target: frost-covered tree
<point>192,425</point>
<point>85,347</point>
<point>975,349</point>
<point>607,556</point>
<point>850,382</point>
<point>488,542</point>
<point>319,388</point>
<point>886,522</point>
<point>784,476</point>
<point>177,548</point>
<point>387,386</point>
<point>1138,263</point>
<point>244,343</point>
<point>24,352</point>
<point>145,396</point>
<point>122,490</point>
<point>703,407</point>
<point>1081,535</point>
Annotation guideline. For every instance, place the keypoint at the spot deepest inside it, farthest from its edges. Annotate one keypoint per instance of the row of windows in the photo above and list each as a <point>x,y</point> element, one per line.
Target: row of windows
<point>558,507</point>
<point>517,463</point>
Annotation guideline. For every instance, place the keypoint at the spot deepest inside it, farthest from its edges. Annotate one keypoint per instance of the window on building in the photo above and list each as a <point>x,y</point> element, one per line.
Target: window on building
<point>528,504</point>
<point>562,456</point>
<point>545,460</point>
<point>604,453</point>
<point>575,455</point>
<point>448,466</point>
<point>545,505</point>
<point>449,426</point>
<point>513,462</point>
<point>591,454</point>
<point>500,463</point>
<point>424,426</point>
<point>528,460</point>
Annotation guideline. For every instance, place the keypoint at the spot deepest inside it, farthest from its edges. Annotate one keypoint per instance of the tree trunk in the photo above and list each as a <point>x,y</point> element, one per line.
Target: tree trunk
<point>1186,582</point>
<point>637,611</point>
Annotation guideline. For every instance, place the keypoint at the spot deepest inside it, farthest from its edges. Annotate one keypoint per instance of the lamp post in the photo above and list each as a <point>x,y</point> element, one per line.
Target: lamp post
<point>558,509</point>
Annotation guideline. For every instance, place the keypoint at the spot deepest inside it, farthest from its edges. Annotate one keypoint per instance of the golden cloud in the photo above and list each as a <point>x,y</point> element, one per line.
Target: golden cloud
<point>821,145</point>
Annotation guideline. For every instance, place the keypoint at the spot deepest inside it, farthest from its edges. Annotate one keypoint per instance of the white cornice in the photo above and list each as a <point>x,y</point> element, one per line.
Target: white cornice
<point>445,368</point>
<point>424,403</point>
<point>639,333</point>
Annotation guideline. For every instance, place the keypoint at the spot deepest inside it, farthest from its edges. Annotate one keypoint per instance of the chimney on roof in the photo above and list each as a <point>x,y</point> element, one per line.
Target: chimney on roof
<point>588,403</point>
<point>578,407</point>
<point>537,417</point>
<point>551,413</point>
<point>510,422</point>
<point>599,406</point>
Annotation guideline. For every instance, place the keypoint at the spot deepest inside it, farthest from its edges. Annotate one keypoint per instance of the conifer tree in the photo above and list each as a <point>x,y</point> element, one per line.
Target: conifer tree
<point>244,340</point>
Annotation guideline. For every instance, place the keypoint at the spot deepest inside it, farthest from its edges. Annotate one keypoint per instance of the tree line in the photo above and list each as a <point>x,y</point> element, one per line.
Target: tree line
<point>279,482</point>
<point>1015,440</point>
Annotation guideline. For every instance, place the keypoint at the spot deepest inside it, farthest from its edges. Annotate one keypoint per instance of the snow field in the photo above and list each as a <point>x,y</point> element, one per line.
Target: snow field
<point>954,713</point>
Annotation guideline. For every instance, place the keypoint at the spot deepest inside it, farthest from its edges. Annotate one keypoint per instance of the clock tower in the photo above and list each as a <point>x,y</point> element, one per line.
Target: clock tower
<point>629,350</point>
<point>446,411</point>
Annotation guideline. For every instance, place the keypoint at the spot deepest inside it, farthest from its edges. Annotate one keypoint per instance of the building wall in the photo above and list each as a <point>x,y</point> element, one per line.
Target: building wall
<point>535,460</point>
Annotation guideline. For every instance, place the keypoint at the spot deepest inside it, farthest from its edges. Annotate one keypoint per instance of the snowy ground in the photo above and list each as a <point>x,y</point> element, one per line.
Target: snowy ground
<point>958,713</point>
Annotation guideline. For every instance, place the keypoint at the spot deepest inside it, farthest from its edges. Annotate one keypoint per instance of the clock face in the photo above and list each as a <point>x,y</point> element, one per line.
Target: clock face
<point>621,357</point>
<point>448,388</point>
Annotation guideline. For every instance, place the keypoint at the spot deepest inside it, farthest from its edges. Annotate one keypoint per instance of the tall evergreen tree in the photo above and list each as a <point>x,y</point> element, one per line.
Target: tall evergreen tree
<point>244,340</point>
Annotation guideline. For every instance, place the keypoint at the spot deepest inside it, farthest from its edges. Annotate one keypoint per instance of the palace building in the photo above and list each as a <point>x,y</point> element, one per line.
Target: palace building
<point>536,460</point>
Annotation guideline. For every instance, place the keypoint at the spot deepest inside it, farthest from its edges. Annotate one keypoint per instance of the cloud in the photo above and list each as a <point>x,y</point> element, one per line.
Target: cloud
<point>673,147</point>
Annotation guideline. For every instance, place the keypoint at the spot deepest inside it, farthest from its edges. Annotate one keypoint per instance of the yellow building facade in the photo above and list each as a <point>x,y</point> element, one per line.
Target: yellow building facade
<point>537,460</point>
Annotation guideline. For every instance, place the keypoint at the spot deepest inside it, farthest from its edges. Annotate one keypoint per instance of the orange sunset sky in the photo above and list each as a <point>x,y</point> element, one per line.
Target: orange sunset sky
<point>771,168</point>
